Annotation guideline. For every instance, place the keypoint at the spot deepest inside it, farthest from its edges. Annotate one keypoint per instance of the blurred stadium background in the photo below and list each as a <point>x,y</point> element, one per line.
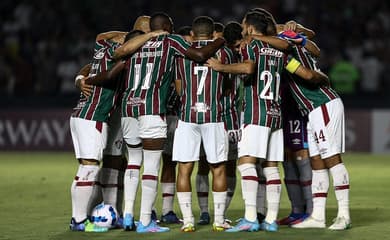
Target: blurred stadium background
<point>44,43</point>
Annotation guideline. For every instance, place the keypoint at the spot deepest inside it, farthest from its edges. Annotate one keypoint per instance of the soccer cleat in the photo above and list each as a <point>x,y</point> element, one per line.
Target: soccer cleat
<point>152,227</point>
<point>86,226</point>
<point>189,227</point>
<point>221,227</point>
<point>245,226</point>
<point>310,222</point>
<point>299,220</point>
<point>128,222</point>
<point>269,227</point>
<point>170,217</point>
<point>341,223</point>
<point>204,218</point>
<point>290,218</point>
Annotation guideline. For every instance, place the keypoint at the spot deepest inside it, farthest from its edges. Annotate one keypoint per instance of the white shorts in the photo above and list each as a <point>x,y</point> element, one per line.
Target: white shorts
<point>261,142</point>
<point>233,136</point>
<point>326,129</point>
<point>188,137</point>
<point>145,127</point>
<point>89,138</point>
<point>171,128</point>
<point>115,137</point>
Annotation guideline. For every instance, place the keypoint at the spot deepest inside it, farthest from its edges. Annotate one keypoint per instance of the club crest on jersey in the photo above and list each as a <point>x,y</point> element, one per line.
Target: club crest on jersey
<point>271,52</point>
<point>152,44</point>
<point>99,54</point>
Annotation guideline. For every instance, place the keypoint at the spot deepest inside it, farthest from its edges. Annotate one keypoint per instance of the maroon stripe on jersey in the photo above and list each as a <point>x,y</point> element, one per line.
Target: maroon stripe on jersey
<point>99,126</point>
<point>315,195</point>
<point>274,182</point>
<point>302,57</point>
<point>330,94</point>
<point>133,167</point>
<point>85,184</point>
<point>341,187</point>
<point>96,95</point>
<point>149,177</point>
<point>250,178</point>
<point>325,114</point>
<point>292,182</point>
<point>202,194</point>
<point>300,95</point>
<point>168,195</point>
<point>306,183</point>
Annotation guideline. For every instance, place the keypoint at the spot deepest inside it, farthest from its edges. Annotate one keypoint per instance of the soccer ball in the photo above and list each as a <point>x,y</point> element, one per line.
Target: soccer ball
<point>104,215</point>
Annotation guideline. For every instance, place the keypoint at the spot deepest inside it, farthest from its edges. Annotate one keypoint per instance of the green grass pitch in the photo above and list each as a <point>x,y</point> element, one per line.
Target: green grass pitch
<point>35,203</point>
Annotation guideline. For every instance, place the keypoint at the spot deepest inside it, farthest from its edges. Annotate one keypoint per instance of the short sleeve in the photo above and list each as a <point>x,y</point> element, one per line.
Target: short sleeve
<point>178,44</point>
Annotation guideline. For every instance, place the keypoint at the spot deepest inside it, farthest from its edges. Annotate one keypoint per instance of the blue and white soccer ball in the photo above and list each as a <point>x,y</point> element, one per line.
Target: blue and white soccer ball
<point>104,215</point>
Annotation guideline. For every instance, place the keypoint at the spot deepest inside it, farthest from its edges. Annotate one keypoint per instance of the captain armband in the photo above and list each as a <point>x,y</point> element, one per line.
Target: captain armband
<point>293,65</point>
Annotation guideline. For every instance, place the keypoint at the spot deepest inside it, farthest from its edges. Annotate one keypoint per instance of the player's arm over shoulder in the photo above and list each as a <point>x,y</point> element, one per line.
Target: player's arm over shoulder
<point>314,76</point>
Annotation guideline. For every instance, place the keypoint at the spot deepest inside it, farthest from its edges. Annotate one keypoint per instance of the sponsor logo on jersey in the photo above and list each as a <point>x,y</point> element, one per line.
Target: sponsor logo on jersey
<point>136,101</point>
<point>99,54</point>
<point>152,44</point>
<point>271,52</point>
<point>200,107</point>
<point>296,141</point>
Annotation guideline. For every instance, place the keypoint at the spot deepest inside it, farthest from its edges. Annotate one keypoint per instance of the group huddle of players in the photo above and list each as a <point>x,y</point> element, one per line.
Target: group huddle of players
<point>241,96</point>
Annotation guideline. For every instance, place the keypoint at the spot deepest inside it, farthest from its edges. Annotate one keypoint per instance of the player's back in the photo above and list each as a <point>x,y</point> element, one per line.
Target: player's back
<point>149,73</point>
<point>202,87</point>
<point>262,95</point>
<point>308,96</point>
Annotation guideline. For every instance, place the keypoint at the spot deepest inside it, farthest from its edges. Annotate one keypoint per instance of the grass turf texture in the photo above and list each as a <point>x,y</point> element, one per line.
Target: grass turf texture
<point>35,203</point>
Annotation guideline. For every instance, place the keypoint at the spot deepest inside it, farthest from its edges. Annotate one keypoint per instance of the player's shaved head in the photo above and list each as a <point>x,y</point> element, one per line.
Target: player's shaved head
<point>203,26</point>
<point>161,21</point>
<point>142,23</point>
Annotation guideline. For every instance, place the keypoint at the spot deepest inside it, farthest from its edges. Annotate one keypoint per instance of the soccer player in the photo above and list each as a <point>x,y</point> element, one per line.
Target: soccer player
<point>148,76</point>
<point>90,118</point>
<point>142,23</point>
<point>262,119</point>
<point>326,136</point>
<point>201,121</point>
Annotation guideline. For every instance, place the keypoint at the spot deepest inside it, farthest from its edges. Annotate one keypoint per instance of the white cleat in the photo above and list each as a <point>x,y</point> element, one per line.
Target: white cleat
<point>341,223</point>
<point>310,222</point>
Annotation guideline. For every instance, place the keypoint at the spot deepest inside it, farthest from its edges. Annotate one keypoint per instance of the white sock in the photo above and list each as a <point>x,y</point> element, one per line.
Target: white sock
<point>202,189</point>
<point>319,187</point>
<point>168,195</point>
<point>149,184</point>
<point>81,190</point>
<point>131,179</point>
<point>109,182</point>
<point>249,184</point>
<point>219,206</point>
<point>185,203</point>
<point>273,190</point>
<point>341,187</point>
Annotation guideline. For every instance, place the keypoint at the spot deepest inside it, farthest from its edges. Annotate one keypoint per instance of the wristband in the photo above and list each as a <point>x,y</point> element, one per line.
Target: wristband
<point>293,65</point>
<point>78,77</point>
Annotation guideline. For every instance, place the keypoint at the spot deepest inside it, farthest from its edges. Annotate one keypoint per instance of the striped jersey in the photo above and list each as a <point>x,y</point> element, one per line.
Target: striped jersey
<point>202,88</point>
<point>99,104</point>
<point>230,103</point>
<point>308,96</point>
<point>149,73</point>
<point>262,93</point>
